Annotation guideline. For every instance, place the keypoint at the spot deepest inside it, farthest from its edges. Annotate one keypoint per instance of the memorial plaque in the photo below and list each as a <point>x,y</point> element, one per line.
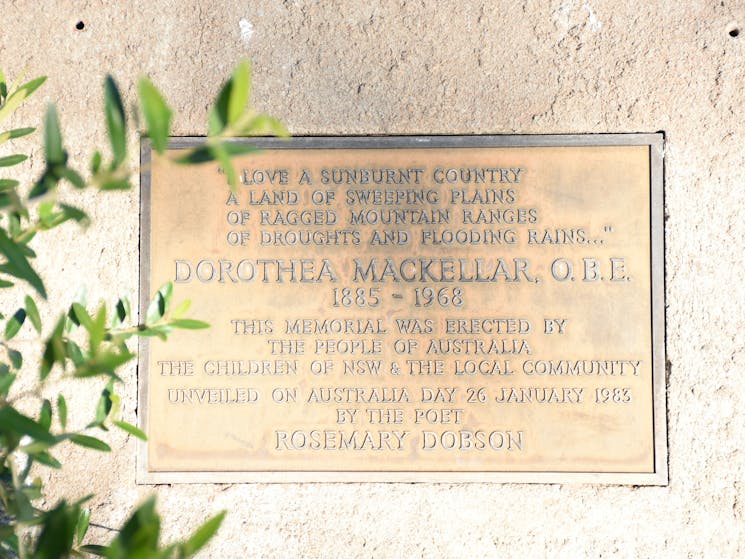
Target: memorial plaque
<point>484,308</point>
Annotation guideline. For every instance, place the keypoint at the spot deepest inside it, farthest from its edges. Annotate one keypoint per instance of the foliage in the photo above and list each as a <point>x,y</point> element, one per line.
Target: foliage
<point>85,341</point>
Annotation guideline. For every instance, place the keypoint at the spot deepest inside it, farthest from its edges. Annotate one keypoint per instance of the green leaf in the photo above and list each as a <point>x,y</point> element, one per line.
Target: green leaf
<point>189,324</point>
<point>14,324</point>
<point>131,429</point>
<point>89,442</point>
<point>202,535</point>
<point>223,157</point>
<point>116,184</point>
<point>3,86</point>
<point>17,264</point>
<point>54,350</point>
<point>157,114</point>
<point>96,162</point>
<point>139,535</point>
<point>182,308</point>
<point>264,125</point>
<point>104,406</point>
<point>97,330</point>
<point>231,101</point>
<point>7,184</point>
<point>45,415</point>
<point>19,96</point>
<point>6,381</point>
<point>53,150</point>
<point>55,540</point>
<point>15,133</point>
<point>76,214</point>
<point>13,421</point>
<point>81,528</point>
<point>47,459</point>
<point>16,358</point>
<point>82,316</point>
<point>33,313</point>
<point>115,121</point>
<point>10,160</point>
<point>71,176</point>
<point>98,550</point>
<point>122,311</point>
<point>62,410</point>
<point>75,353</point>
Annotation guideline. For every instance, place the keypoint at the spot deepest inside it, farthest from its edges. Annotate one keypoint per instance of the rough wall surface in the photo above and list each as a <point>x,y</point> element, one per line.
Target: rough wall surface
<point>460,67</point>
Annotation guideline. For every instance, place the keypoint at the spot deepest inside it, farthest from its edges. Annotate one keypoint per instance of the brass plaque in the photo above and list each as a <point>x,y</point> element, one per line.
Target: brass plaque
<point>484,308</point>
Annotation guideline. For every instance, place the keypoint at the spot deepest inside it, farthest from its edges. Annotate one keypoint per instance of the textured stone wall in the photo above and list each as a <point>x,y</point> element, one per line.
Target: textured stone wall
<point>460,67</point>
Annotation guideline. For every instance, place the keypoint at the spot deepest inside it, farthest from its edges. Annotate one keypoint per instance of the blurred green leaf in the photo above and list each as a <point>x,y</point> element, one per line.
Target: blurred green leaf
<point>62,410</point>
<point>81,527</point>
<point>47,459</point>
<point>121,311</point>
<point>45,415</point>
<point>231,101</point>
<point>17,265</point>
<point>96,162</point>
<point>82,317</point>
<point>202,535</point>
<point>182,308</point>
<point>115,121</point>
<point>6,184</point>
<point>89,442</point>
<point>53,150</point>
<point>16,358</point>
<point>71,176</point>
<point>116,184</point>
<point>76,214</point>
<point>139,535</point>
<point>15,133</point>
<point>33,313</point>
<point>10,160</point>
<point>131,429</point>
<point>103,407</point>
<point>13,421</point>
<point>55,540</point>
<point>14,324</point>
<point>98,550</point>
<point>157,114</point>
<point>264,125</point>
<point>6,381</point>
<point>54,350</point>
<point>189,324</point>
<point>19,96</point>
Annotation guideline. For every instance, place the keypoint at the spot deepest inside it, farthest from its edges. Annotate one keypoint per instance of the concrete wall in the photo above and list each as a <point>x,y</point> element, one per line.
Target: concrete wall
<point>461,67</point>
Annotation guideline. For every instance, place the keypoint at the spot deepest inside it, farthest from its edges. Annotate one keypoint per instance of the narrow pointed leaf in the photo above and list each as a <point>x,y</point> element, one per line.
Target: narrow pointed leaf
<point>10,160</point>
<point>17,265</point>
<point>19,96</point>
<point>6,184</point>
<point>81,528</point>
<point>11,420</point>
<point>62,410</point>
<point>33,313</point>
<point>131,429</point>
<point>203,534</point>
<point>14,324</point>
<point>15,133</point>
<point>115,121</point>
<point>53,150</point>
<point>45,416</point>
<point>189,324</point>
<point>89,442</point>
<point>157,114</point>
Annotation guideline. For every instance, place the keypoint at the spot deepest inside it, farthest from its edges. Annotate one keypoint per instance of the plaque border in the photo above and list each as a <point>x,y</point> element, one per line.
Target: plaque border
<point>656,143</point>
